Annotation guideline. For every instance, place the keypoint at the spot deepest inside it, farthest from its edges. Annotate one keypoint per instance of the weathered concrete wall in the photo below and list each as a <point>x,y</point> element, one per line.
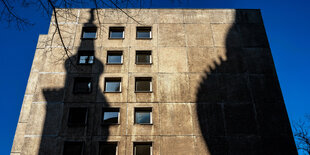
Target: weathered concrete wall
<point>214,86</point>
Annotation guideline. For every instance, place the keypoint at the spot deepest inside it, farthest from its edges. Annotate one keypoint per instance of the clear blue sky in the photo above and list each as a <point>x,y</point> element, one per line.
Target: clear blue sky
<point>287,24</point>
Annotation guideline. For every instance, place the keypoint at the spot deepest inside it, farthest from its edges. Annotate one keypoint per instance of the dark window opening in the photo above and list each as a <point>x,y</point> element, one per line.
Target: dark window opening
<point>143,115</point>
<point>112,85</point>
<point>114,57</point>
<point>144,32</point>
<point>77,116</point>
<point>86,57</point>
<point>110,116</point>
<point>73,148</point>
<point>143,84</point>
<point>108,148</point>
<point>89,32</point>
<point>116,32</point>
<point>142,148</point>
<point>143,57</point>
<point>82,85</point>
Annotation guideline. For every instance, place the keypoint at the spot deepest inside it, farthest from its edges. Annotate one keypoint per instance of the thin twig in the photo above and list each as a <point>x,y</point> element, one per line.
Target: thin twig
<point>59,33</point>
<point>124,12</point>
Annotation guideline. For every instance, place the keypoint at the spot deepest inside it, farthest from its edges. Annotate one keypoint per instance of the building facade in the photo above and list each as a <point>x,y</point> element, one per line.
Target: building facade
<point>159,81</point>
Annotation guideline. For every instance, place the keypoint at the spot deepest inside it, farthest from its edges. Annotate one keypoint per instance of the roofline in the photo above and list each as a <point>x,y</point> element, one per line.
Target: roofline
<point>165,8</point>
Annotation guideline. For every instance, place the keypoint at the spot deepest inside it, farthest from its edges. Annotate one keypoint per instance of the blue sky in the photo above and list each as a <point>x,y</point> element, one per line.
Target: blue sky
<point>287,24</point>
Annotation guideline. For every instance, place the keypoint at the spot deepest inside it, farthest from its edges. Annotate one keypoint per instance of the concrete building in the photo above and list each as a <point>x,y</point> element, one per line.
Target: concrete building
<point>160,82</point>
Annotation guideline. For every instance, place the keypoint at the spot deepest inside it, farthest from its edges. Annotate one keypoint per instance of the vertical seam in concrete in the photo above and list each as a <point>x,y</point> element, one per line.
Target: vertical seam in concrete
<point>253,103</point>
<point>188,86</point>
<point>60,119</point>
<point>191,114</point>
<point>224,119</point>
<point>157,48</point>
<point>212,14</point>
<point>76,26</point>
<point>187,63</point>
<point>212,35</point>
<point>78,16</point>
<point>157,85</point>
<point>128,78</point>
<point>195,145</point>
<point>186,46</point>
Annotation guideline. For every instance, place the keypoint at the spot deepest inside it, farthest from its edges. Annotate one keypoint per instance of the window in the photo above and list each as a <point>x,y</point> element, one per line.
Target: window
<point>112,85</point>
<point>73,148</point>
<point>144,32</point>
<point>89,32</point>
<point>77,117</point>
<point>86,57</point>
<point>82,85</point>
<point>142,148</point>
<point>143,84</point>
<point>143,57</point>
<point>116,33</point>
<point>110,116</point>
<point>108,148</point>
<point>114,57</point>
<point>143,115</point>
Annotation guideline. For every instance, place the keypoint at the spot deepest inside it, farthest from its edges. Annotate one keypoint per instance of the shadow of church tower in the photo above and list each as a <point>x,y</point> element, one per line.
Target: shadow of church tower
<point>80,103</point>
<point>239,103</point>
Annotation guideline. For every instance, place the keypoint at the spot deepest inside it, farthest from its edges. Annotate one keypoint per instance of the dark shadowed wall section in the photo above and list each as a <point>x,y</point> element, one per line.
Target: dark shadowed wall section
<point>239,101</point>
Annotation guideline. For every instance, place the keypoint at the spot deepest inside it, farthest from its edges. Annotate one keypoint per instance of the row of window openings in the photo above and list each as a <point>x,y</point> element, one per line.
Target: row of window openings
<point>115,57</point>
<point>106,148</point>
<point>117,33</point>
<point>78,116</point>
<point>84,85</point>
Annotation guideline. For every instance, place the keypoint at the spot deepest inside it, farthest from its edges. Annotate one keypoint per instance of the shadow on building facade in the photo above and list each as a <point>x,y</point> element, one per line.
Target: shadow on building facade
<point>79,104</point>
<point>239,101</point>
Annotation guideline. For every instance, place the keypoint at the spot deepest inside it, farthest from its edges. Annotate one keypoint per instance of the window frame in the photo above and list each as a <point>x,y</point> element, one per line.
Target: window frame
<point>150,79</point>
<point>142,143</point>
<point>81,79</point>
<point>143,109</point>
<point>108,143</point>
<point>115,29</point>
<point>112,79</point>
<point>81,142</point>
<point>89,29</point>
<point>146,52</point>
<point>145,29</point>
<point>111,109</point>
<point>81,53</point>
<point>115,53</point>
<point>70,124</point>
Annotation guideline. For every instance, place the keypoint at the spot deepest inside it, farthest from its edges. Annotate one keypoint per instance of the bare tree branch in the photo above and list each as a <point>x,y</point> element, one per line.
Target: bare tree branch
<point>49,7</point>
<point>301,133</point>
<point>10,16</point>
<point>124,12</point>
<point>59,33</point>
